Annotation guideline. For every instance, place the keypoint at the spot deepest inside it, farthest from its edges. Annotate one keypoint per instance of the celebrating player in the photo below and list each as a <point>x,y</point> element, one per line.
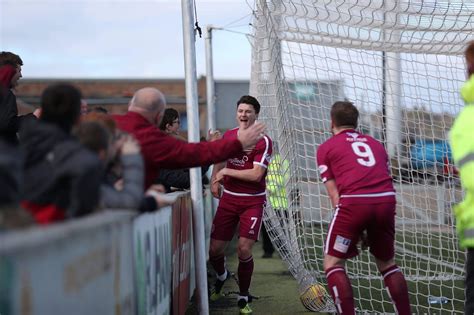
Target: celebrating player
<point>354,169</point>
<point>242,200</point>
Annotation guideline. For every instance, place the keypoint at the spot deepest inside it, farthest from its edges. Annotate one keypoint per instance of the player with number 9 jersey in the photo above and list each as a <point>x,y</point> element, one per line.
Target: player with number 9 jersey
<point>359,165</point>
<point>355,171</point>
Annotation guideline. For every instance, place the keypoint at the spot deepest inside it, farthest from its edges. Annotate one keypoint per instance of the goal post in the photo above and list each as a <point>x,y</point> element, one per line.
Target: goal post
<point>401,63</point>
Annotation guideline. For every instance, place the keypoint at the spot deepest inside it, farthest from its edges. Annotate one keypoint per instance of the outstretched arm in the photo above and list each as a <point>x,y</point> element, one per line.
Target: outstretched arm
<point>169,152</point>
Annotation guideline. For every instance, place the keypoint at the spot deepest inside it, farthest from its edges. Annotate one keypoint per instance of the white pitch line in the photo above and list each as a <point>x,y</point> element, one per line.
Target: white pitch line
<point>432,260</point>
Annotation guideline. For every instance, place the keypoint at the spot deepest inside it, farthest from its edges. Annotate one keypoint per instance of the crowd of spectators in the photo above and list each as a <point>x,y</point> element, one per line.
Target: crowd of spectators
<point>66,160</point>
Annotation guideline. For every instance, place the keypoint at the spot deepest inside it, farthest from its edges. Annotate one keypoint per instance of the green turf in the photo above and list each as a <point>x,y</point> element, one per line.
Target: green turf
<point>275,287</point>
<point>278,290</point>
<point>437,257</point>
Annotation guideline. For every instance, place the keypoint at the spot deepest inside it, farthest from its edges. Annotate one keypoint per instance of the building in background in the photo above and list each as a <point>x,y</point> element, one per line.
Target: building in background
<point>314,100</point>
<point>228,93</point>
<point>115,94</point>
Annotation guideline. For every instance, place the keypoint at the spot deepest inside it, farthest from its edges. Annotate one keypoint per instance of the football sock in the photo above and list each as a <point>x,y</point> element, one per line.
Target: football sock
<point>397,289</point>
<point>223,276</point>
<point>340,289</point>
<point>243,297</point>
<point>245,271</point>
<point>218,263</point>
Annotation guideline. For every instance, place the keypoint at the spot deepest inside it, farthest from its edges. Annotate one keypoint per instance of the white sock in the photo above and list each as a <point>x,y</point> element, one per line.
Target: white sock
<point>223,276</point>
<point>245,297</point>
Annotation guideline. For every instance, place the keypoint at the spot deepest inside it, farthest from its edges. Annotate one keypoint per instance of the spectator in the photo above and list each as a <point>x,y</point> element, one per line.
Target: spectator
<point>96,133</point>
<point>462,145</point>
<point>11,215</point>
<point>84,107</point>
<point>114,171</point>
<point>10,175</point>
<point>170,123</point>
<point>178,179</point>
<point>159,150</point>
<point>62,177</point>
<point>97,138</point>
<point>10,74</point>
<point>99,109</point>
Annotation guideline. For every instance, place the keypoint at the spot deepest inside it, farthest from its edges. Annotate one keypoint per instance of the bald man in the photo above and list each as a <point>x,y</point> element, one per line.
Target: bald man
<point>160,150</point>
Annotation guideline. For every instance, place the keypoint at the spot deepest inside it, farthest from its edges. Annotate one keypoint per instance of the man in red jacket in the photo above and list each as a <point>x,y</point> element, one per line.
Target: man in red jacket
<point>160,150</point>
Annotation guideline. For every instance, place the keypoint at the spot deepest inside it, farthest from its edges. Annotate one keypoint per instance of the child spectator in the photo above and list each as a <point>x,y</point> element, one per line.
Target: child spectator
<point>122,185</point>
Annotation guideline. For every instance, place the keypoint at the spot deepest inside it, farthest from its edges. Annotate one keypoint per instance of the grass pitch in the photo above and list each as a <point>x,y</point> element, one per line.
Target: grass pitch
<point>272,283</point>
<point>429,259</point>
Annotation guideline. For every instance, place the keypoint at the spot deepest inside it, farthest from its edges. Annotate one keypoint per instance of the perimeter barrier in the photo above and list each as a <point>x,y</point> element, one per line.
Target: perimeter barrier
<point>112,262</point>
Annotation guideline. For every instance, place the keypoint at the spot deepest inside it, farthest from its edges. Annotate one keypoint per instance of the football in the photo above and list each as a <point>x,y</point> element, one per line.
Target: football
<point>315,297</point>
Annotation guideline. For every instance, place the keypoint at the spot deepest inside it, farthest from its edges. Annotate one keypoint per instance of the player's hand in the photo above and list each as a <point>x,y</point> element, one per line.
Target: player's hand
<point>250,136</point>
<point>220,176</point>
<point>216,190</point>
<point>213,135</point>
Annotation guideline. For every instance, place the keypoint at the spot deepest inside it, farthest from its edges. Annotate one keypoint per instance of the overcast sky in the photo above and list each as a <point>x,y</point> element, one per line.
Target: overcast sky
<point>121,38</point>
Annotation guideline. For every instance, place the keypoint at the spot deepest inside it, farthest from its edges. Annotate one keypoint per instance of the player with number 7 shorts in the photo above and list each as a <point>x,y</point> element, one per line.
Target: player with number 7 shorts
<point>355,170</point>
<point>242,201</point>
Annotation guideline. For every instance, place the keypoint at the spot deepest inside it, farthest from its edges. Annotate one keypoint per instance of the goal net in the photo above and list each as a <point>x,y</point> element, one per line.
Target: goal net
<point>401,63</point>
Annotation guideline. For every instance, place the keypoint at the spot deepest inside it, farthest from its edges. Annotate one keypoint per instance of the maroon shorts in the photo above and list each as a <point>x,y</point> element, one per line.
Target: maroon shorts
<point>232,210</point>
<point>350,220</point>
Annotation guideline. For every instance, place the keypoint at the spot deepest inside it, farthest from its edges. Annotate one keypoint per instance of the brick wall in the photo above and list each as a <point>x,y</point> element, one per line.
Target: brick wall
<point>105,88</point>
<point>114,94</point>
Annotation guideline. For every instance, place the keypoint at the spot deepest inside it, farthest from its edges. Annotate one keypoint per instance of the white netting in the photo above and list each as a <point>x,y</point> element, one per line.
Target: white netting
<point>401,64</point>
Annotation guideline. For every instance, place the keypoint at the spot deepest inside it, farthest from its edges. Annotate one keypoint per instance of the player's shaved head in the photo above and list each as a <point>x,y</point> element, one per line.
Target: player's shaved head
<point>148,102</point>
<point>344,114</point>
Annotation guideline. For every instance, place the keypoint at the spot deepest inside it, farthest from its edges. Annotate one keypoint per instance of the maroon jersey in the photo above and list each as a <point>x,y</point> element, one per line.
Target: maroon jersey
<point>260,154</point>
<point>359,165</point>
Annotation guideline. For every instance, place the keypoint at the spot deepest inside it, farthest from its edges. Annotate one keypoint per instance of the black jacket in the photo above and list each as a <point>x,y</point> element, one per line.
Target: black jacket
<point>59,170</point>
<point>179,178</point>
<point>9,119</point>
<point>11,163</point>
